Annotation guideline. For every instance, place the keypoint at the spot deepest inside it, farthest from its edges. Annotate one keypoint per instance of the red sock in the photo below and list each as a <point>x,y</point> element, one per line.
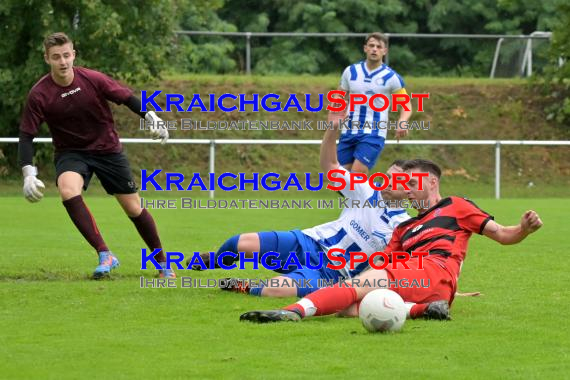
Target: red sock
<point>147,229</point>
<point>418,310</point>
<point>83,220</point>
<point>328,300</point>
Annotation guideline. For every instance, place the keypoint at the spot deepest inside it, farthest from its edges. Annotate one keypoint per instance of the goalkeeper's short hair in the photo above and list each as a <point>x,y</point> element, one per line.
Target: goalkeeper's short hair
<point>56,39</point>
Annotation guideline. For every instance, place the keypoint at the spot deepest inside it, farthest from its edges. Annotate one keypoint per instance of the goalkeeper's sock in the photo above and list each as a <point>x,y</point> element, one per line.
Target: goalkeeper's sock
<point>85,223</point>
<point>325,301</point>
<point>147,230</point>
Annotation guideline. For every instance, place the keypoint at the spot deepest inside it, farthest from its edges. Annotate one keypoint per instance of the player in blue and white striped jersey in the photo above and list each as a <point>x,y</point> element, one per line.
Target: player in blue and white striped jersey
<point>358,229</point>
<point>364,130</point>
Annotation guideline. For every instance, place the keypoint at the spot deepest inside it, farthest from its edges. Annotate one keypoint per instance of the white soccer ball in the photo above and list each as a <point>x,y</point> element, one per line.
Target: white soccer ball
<point>382,310</point>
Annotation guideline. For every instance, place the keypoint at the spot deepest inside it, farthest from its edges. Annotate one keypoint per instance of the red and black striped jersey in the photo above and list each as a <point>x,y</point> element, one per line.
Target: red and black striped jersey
<point>443,230</point>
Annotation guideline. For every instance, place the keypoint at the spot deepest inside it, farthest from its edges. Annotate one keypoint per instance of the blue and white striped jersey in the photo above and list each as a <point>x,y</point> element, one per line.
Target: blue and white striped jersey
<point>359,229</point>
<point>357,80</point>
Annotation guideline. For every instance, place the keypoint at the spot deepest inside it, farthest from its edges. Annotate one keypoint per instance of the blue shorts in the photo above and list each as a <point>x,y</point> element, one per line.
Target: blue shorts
<point>361,147</point>
<point>306,250</point>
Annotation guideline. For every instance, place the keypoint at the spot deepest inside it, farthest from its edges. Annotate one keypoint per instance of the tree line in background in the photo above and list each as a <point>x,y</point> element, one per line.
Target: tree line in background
<point>411,56</point>
<point>135,40</point>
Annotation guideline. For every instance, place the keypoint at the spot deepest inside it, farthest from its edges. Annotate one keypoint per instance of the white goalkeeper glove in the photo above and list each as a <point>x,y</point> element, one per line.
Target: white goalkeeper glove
<point>157,130</point>
<point>33,187</point>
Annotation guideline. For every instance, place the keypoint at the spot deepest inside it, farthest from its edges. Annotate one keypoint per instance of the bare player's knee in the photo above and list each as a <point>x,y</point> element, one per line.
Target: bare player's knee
<point>69,185</point>
<point>68,192</point>
<point>131,204</point>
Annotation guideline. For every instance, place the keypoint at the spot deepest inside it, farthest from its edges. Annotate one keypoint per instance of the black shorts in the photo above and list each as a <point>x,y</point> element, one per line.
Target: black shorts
<point>112,169</point>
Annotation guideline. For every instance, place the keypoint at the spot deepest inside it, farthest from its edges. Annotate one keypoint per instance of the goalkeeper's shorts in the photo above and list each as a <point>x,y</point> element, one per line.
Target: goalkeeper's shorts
<point>112,169</point>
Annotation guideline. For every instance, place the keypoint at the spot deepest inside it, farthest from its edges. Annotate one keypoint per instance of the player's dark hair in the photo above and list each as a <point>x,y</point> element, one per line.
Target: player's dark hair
<point>56,39</point>
<point>377,36</point>
<point>424,166</point>
<point>398,163</point>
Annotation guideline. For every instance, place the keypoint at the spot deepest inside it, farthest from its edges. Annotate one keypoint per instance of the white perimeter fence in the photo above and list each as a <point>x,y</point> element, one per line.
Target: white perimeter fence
<point>214,142</point>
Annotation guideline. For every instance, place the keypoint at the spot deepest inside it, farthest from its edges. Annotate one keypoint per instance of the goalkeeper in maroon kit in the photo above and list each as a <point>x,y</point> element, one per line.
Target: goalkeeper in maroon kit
<point>443,230</point>
<point>73,102</point>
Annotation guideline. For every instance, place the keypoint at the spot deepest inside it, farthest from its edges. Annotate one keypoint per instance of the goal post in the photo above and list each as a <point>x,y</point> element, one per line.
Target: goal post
<point>515,57</point>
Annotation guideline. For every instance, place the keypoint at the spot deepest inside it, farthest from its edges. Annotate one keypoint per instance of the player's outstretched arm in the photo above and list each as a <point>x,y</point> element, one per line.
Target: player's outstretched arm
<point>329,158</point>
<point>530,222</point>
<point>158,130</point>
<point>336,117</point>
<point>404,117</point>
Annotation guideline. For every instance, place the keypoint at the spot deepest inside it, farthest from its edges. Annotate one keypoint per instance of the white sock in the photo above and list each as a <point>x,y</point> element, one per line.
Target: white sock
<point>308,307</point>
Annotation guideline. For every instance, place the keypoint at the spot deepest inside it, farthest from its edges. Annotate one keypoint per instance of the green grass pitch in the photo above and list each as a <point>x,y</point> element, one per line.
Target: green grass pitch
<point>58,324</point>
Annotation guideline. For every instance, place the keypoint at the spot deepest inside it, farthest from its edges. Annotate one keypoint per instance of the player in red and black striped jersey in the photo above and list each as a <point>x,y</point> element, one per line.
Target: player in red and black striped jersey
<point>73,102</point>
<point>443,230</point>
